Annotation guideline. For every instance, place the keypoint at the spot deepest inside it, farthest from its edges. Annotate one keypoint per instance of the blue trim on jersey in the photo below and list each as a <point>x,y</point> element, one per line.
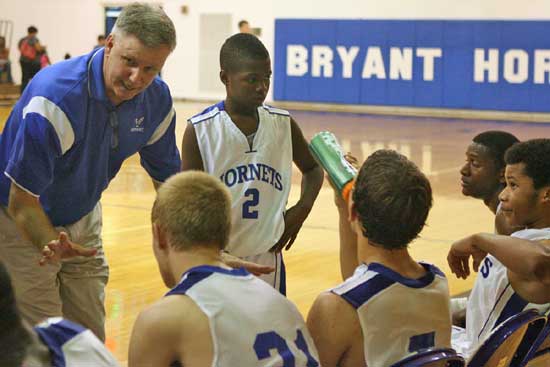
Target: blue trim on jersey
<point>199,273</point>
<point>272,111</point>
<point>55,336</point>
<point>515,305</point>
<point>282,281</point>
<point>421,282</point>
<point>386,277</point>
<point>493,309</point>
<point>365,291</point>
<point>220,106</point>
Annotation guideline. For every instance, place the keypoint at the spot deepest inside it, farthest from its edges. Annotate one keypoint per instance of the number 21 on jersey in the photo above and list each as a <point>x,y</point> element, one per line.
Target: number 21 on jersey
<point>271,340</point>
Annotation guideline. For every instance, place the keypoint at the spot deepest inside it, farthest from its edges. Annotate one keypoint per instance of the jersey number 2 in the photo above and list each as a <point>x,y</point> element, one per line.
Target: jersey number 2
<point>254,200</point>
<point>271,340</point>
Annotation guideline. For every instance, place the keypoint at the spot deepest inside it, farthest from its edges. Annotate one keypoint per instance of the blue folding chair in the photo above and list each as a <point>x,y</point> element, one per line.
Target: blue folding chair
<point>539,350</point>
<point>442,357</point>
<point>503,346</point>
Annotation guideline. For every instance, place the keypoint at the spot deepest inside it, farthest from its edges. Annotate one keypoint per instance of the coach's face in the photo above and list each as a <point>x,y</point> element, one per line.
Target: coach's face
<point>129,67</point>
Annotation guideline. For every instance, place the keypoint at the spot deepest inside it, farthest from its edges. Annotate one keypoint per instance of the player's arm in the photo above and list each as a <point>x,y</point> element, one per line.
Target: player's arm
<point>190,154</point>
<point>312,180</point>
<point>348,241</point>
<point>528,262</point>
<point>154,340</point>
<point>333,325</point>
<point>312,173</point>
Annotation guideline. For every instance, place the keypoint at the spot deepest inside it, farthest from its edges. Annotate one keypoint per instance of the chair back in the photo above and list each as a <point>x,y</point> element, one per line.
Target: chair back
<point>540,347</point>
<point>503,346</point>
<point>440,357</point>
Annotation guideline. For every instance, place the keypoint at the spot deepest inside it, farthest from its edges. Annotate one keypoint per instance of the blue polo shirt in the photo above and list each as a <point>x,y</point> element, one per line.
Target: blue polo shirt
<point>58,141</point>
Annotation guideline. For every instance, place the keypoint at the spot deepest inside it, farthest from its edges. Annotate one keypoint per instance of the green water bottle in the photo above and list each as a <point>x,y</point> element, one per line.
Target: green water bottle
<point>327,151</point>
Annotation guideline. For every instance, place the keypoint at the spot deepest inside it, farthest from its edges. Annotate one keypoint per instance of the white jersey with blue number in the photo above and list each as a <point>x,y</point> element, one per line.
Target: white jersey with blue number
<point>257,176</point>
<point>398,315</point>
<point>493,299</point>
<point>71,345</point>
<point>251,323</point>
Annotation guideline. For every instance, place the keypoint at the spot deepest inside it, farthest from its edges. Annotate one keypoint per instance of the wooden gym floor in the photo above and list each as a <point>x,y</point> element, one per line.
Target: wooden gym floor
<point>435,145</point>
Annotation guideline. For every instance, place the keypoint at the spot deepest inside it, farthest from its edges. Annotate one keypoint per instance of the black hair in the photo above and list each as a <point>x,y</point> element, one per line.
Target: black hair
<point>497,142</point>
<point>535,155</point>
<point>32,29</point>
<point>239,48</point>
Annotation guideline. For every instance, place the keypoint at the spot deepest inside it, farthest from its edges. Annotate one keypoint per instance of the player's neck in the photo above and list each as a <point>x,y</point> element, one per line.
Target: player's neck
<point>182,261</point>
<point>239,110</point>
<point>398,260</point>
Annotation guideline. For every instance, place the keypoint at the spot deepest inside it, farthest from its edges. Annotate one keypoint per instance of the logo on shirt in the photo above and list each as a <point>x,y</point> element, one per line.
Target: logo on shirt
<point>138,128</point>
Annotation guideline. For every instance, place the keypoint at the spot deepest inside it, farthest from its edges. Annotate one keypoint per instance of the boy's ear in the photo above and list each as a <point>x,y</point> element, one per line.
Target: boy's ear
<point>160,236</point>
<point>223,77</point>
<point>501,177</point>
<point>546,194</point>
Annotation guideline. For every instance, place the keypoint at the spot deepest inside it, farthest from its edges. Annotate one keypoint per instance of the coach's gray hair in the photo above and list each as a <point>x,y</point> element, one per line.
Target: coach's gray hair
<point>148,23</point>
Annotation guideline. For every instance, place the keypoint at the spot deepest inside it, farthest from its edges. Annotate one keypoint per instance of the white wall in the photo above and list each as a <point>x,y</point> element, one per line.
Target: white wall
<point>73,25</point>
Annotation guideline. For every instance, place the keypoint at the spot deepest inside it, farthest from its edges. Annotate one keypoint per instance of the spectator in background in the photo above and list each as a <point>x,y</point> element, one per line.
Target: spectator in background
<point>244,27</point>
<point>67,56</point>
<point>30,49</point>
<point>5,64</point>
<point>100,42</point>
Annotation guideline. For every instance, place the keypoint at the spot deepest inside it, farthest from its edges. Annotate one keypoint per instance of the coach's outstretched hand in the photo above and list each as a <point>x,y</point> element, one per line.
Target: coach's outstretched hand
<point>251,267</point>
<point>63,248</point>
<point>459,256</point>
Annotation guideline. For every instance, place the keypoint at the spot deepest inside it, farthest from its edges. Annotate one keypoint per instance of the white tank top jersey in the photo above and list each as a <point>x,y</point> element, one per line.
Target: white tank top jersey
<point>398,315</point>
<point>493,299</point>
<point>251,323</point>
<point>71,345</point>
<point>257,176</point>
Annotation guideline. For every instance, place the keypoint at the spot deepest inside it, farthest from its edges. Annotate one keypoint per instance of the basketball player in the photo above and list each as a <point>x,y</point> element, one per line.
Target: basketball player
<point>482,176</point>
<point>511,277</point>
<point>391,305</point>
<point>55,342</point>
<point>250,147</point>
<point>213,315</point>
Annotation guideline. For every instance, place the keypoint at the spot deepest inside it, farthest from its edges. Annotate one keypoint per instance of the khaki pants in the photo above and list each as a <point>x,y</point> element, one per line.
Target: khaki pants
<point>74,289</point>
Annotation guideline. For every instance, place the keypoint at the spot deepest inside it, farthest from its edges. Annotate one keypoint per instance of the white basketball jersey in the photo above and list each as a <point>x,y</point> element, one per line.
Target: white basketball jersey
<point>258,177</point>
<point>71,345</point>
<point>398,315</point>
<point>493,299</point>
<point>251,323</point>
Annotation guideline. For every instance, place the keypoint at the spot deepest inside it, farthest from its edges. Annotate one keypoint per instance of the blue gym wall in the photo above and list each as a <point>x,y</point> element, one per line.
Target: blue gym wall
<point>513,63</point>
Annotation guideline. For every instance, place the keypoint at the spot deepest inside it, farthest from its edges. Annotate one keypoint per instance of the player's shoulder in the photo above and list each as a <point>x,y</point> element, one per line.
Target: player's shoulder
<point>275,111</point>
<point>168,313</point>
<point>330,309</point>
<point>208,113</point>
